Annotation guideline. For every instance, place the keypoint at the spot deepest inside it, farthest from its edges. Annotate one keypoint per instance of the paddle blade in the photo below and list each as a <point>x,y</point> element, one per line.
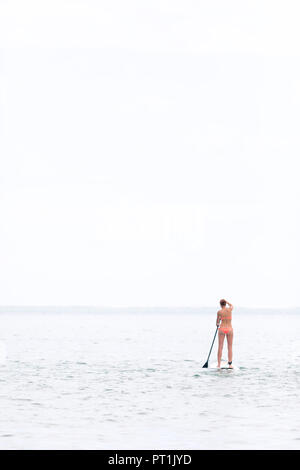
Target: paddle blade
<point>205,365</point>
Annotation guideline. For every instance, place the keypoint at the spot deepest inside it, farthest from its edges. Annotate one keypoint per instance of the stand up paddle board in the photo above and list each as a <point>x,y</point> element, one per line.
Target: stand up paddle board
<point>224,365</point>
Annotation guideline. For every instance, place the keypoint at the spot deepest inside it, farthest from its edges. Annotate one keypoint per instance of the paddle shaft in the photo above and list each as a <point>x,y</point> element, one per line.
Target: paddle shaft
<point>212,345</point>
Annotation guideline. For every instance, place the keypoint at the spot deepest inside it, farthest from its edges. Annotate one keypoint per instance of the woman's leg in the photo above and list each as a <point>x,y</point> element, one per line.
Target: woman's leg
<point>229,344</point>
<point>221,337</point>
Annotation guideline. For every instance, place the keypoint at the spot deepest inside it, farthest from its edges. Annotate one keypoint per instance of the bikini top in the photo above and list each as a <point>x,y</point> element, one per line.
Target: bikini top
<point>226,317</point>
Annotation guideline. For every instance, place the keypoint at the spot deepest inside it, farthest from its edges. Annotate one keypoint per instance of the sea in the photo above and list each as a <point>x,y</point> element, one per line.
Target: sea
<point>133,379</point>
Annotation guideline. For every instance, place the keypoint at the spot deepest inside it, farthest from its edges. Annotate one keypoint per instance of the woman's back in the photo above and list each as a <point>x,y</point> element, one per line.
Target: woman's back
<point>225,315</point>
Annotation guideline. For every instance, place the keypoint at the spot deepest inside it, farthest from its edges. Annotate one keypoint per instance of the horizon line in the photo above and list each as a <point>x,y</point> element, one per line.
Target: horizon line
<point>134,307</point>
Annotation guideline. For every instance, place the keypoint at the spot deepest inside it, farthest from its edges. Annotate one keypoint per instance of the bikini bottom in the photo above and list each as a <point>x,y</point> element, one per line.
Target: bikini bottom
<point>225,330</point>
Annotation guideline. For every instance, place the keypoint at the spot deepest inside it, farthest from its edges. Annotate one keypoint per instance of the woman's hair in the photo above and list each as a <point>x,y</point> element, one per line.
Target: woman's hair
<point>222,302</point>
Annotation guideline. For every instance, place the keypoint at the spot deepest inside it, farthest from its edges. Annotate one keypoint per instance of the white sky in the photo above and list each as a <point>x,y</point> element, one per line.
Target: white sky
<point>149,152</point>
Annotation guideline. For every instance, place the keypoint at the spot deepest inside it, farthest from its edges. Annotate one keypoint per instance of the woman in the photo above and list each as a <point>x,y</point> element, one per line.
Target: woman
<point>225,329</point>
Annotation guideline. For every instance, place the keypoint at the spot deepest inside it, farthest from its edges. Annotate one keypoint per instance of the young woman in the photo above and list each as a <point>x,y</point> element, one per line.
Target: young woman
<point>225,329</point>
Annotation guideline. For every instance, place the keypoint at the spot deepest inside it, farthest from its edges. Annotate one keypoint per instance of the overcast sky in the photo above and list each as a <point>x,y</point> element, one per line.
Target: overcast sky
<point>149,152</point>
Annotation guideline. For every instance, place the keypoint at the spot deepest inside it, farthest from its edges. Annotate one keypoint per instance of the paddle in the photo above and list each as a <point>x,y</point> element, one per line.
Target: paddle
<point>206,364</point>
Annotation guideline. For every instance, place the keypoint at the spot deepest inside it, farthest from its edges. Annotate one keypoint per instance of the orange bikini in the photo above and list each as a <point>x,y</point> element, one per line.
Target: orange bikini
<point>225,329</point>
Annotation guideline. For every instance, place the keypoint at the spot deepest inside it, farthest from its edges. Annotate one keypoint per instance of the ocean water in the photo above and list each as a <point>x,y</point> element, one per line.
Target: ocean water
<point>135,381</point>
